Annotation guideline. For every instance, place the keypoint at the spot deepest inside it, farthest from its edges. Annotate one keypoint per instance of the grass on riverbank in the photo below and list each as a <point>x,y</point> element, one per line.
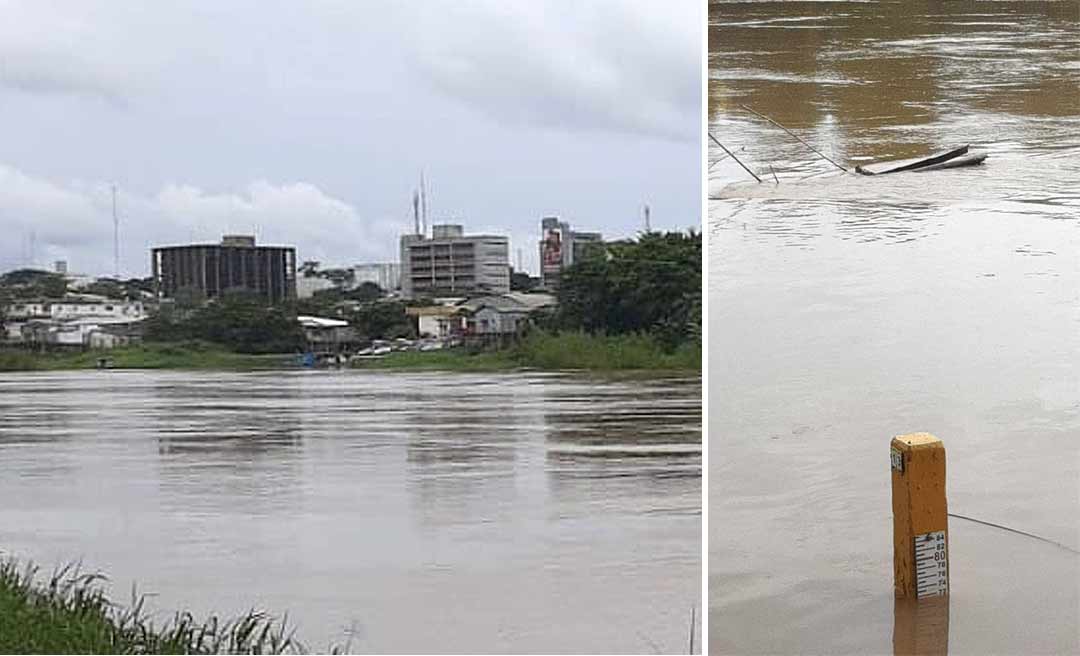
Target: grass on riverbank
<point>70,614</point>
<point>565,351</point>
<point>178,355</point>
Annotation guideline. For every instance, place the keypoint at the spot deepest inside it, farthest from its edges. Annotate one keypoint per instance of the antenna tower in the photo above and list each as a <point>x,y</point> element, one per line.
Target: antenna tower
<point>423,203</point>
<point>416,211</point>
<point>648,224</point>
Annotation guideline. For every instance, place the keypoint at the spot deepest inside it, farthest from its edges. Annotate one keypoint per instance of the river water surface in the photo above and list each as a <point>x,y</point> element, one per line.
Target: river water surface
<point>386,512</point>
<point>846,309</point>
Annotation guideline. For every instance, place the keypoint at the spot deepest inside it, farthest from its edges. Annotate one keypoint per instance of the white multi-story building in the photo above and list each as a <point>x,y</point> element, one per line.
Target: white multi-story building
<point>387,275</point>
<point>94,332</point>
<point>451,263</point>
<point>84,320</point>
<point>85,306</point>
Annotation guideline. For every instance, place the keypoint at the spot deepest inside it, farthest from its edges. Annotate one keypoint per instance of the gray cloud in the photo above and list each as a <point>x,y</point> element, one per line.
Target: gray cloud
<point>73,221</point>
<point>50,73</point>
<point>310,121</point>
<point>48,50</point>
<point>612,65</point>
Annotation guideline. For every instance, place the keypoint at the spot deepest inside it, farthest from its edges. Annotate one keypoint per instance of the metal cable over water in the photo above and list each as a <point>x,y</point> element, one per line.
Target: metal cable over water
<point>1013,530</point>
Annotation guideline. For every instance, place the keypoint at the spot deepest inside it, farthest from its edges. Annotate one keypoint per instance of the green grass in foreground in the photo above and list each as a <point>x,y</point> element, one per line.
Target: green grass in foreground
<point>555,352</point>
<point>178,355</point>
<point>70,614</point>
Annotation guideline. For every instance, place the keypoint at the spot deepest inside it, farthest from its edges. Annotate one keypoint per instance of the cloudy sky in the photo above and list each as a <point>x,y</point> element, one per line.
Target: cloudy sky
<point>308,123</point>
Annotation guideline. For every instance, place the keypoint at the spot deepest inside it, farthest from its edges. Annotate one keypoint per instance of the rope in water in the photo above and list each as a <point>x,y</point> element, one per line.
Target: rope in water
<point>1013,530</point>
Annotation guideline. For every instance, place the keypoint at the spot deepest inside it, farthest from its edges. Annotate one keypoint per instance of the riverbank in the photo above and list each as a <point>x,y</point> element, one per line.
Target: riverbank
<point>566,351</point>
<point>70,614</point>
<point>179,355</point>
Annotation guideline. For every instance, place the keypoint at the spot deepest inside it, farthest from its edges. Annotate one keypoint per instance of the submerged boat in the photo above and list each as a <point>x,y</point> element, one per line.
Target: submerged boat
<point>969,158</point>
<point>962,156</point>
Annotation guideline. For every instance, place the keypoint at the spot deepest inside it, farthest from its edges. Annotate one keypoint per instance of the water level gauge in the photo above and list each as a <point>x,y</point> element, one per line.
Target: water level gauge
<point>931,565</point>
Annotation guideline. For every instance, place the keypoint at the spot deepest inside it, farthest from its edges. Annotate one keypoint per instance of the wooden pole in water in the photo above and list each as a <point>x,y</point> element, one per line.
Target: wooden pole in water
<point>796,136</point>
<point>732,156</point>
<point>920,517</point>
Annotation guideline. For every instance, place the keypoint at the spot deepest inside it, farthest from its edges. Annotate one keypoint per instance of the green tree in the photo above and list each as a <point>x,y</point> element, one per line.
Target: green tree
<point>130,289</point>
<point>5,301</point>
<point>165,326</point>
<point>323,303</point>
<point>33,283</point>
<point>247,325</point>
<point>239,322</point>
<point>328,302</point>
<point>651,284</point>
<point>382,320</point>
<point>366,292</point>
<point>521,281</point>
<point>189,299</point>
<point>106,287</point>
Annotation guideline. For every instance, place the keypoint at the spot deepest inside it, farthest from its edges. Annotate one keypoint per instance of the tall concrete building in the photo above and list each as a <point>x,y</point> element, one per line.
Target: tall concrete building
<point>236,264</point>
<point>451,263</point>
<point>560,247</point>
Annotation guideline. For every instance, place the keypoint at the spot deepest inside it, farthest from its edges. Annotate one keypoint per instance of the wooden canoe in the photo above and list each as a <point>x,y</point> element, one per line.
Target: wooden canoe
<point>915,164</point>
<point>971,158</point>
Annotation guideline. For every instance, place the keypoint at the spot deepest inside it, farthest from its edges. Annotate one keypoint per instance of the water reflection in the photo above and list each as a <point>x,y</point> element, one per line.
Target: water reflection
<point>649,432</point>
<point>921,627</point>
<point>633,449</point>
<point>462,455</point>
<point>239,424</point>
<point>26,415</point>
<point>247,439</point>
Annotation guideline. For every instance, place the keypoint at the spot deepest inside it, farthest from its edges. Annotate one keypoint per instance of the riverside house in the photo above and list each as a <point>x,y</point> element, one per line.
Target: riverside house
<point>77,320</point>
<point>495,315</point>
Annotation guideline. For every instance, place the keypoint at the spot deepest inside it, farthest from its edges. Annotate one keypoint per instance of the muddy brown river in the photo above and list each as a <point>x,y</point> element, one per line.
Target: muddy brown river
<point>846,309</point>
<point>384,512</point>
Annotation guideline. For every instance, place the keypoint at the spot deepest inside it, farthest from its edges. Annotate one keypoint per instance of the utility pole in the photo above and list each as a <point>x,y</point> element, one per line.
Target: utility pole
<point>116,236</point>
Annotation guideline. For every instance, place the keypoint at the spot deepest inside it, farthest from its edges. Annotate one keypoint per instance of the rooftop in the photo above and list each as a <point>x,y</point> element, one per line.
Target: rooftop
<point>320,322</point>
<point>227,241</point>
<point>510,302</point>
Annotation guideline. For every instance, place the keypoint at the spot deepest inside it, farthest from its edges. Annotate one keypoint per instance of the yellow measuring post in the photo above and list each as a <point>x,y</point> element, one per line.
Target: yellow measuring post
<point>920,517</point>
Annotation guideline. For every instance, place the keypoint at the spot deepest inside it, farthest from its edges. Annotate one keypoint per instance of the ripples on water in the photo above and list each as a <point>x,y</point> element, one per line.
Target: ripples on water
<point>846,309</point>
<point>415,512</point>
